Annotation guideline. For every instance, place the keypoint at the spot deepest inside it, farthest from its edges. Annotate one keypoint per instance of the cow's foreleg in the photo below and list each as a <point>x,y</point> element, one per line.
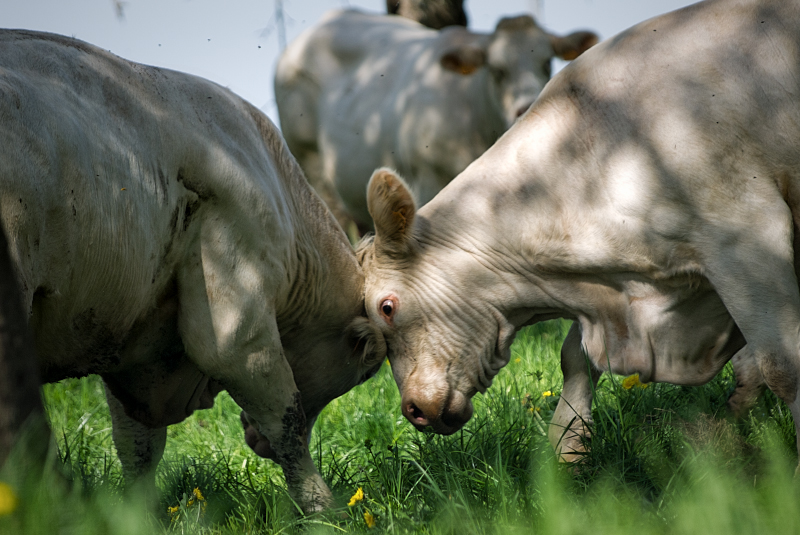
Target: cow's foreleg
<point>139,448</point>
<point>573,414</point>
<point>258,377</point>
<point>273,403</point>
<point>749,383</point>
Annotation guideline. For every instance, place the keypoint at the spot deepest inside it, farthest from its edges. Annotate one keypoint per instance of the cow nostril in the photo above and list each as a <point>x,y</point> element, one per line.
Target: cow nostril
<point>416,414</point>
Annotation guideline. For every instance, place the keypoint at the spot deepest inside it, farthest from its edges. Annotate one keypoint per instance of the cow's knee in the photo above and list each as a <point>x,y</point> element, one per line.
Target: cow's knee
<point>780,372</point>
<point>749,383</point>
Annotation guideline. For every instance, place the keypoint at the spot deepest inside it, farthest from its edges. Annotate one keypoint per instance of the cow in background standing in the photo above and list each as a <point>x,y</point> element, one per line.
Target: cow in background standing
<point>360,91</point>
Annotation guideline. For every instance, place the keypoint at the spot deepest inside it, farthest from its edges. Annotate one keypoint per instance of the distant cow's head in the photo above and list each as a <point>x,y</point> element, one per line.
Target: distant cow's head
<point>517,56</point>
<point>443,345</point>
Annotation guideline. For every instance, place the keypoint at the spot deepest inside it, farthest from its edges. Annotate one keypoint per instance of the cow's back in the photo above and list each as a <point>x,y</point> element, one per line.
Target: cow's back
<point>694,135</point>
<point>109,169</point>
<point>322,63</point>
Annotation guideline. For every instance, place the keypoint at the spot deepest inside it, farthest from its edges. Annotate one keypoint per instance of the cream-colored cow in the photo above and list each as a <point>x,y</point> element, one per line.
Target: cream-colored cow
<point>360,91</point>
<point>164,238</point>
<point>651,194</point>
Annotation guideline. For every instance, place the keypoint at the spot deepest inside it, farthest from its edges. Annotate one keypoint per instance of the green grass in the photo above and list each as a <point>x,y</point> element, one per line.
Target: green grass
<point>663,459</point>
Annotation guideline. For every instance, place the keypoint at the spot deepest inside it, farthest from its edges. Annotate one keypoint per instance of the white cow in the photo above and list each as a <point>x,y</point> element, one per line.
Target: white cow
<point>164,238</point>
<point>651,194</point>
<point>360,91</point>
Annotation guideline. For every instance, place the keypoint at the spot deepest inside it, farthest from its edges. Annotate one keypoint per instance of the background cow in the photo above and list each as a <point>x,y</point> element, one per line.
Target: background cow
<point>164,238</point>
<point>360,91</point>
<point>434,14</point>
<point>651,194</point>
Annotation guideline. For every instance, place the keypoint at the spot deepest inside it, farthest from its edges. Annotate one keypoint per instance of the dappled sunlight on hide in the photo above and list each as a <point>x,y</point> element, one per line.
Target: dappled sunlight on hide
<point>651,194</point>
<point>384,92</point>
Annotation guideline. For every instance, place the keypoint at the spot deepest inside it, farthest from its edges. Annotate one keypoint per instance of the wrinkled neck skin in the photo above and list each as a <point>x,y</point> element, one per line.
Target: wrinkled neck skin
<point>324,295</point>
<point>523,236</point>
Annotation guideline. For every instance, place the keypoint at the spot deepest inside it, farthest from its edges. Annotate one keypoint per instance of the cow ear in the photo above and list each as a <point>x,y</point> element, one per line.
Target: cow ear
<point>573,45</point>
<point>392,208</point>
<point>463,59</point>
<point>367,341</point>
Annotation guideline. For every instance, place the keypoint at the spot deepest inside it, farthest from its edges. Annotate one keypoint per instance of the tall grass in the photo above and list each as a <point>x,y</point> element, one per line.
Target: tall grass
<point>663,459</point>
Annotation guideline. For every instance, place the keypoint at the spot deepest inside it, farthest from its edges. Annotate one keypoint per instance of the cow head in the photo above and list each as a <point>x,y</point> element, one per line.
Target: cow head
<point>517,57</point>
<point>443,345</point>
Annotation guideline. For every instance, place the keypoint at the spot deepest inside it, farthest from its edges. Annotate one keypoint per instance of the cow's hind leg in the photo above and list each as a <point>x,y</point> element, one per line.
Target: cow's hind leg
<point>750,263</point>
<point>139,448</point>
<point>572,418</point>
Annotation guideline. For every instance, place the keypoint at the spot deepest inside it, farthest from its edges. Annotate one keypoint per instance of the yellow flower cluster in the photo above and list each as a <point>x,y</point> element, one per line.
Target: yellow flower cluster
<point>369,519</point>
<point>633,380</point>
<point>8,499</point>
<point>547,394</point>
<point>196,497</point>
<point>357,497</point>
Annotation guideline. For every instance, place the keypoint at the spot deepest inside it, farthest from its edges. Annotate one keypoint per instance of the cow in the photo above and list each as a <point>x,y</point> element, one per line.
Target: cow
<point>651,195</point>
<point>434,14</point>
<point>360,91</point>
<point>22,419</point>
<point>164,238</point>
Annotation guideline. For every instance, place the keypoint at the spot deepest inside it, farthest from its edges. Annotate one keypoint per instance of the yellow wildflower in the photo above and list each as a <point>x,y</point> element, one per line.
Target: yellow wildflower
<point>357,497</point>
<point>198,494</point>
<point>173,510</point>
<point>633,380</point>
<point>8,499</point>
<point>547,394</point>
<point>388,363</point>
<point>518,360</point>
<point>369,519</point>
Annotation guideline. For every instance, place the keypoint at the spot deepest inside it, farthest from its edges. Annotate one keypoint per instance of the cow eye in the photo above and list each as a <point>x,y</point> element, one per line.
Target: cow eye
<point>387,308</point>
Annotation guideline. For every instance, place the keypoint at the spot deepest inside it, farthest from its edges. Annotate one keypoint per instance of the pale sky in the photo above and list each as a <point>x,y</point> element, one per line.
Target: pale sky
<point>235,42</point>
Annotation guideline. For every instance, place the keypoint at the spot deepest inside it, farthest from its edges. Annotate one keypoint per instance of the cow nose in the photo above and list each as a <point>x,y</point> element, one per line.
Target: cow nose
<point>445,414</point>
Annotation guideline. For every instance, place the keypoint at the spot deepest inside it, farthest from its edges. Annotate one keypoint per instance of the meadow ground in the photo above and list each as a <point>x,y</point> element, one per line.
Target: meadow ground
<point>664,459</point>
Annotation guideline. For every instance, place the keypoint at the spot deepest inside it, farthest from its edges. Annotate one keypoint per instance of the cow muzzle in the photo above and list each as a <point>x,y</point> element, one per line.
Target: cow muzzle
<point>445,412</point>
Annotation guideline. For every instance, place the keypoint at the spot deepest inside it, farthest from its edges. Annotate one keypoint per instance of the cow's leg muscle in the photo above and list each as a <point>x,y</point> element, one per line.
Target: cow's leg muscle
<point>573,414</point>
<point>269,396</point>
<point>752,269</point>
<point>139,447</point>
<point>234,339</point>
